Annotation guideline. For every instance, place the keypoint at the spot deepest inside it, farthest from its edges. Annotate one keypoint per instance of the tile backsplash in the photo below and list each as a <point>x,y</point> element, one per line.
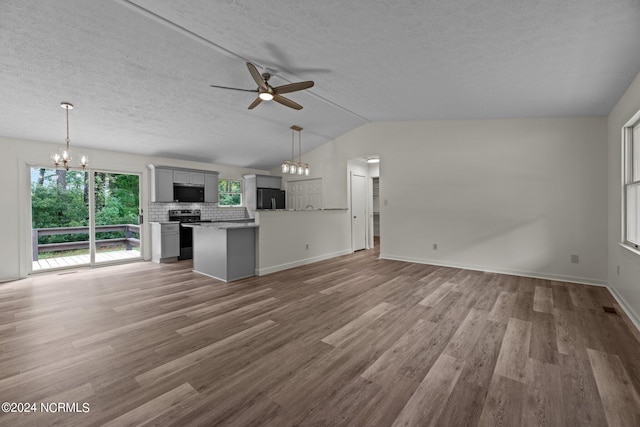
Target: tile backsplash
<point>159,212</point>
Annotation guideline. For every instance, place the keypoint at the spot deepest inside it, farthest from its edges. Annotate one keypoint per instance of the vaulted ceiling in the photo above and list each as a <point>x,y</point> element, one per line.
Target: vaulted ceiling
<point>139,71</point>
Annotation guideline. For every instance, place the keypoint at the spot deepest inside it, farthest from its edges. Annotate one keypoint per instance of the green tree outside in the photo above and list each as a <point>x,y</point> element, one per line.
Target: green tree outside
<point>60,199</point>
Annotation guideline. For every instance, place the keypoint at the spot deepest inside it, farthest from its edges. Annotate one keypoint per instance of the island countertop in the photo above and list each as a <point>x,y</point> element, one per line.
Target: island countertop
<point>221,225</point>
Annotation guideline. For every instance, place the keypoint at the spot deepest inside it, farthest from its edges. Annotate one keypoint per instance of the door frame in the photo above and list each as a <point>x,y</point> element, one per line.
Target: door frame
<point>366,220</point>
<point>92,216</point>
<point>25,215</point>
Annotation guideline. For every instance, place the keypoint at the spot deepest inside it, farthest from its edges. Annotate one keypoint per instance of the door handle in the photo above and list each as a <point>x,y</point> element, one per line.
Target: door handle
<point>354,217</point>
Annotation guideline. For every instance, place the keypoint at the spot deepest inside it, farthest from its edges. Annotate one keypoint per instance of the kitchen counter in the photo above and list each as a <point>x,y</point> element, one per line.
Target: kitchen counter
<point>301,210</point>
<point>222,225</point>
<point>224,250</point>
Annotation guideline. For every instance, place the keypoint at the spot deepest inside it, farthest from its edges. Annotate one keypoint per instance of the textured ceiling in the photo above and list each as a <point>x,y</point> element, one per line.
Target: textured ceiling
<point>139,71</point>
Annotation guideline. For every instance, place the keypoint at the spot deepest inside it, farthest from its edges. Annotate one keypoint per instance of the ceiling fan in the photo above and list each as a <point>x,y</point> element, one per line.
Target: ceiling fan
<point>266,92</point>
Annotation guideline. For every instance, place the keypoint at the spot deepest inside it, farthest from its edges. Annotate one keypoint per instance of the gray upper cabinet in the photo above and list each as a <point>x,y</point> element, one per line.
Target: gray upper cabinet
<point>163,178</point>
<point>161,184</point>
<point>251,184</point>
<point>188,177</point>
<point>211,188</point>
<point>266,181</point>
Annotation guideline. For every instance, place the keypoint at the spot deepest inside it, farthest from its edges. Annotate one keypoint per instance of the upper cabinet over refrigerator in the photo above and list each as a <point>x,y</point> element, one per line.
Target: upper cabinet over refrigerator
<point>252,183</point>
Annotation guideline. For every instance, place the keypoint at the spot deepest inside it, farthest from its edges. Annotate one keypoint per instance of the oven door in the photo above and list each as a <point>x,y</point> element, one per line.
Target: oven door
<point>186,242</point>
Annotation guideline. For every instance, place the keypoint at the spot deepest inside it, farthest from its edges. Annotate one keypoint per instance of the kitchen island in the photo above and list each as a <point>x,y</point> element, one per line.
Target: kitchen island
<point>224,250</point>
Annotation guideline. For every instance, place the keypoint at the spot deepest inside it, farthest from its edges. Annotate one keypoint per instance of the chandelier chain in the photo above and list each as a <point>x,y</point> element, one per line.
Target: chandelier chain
<point>62,158</point>
<point>67,140</point>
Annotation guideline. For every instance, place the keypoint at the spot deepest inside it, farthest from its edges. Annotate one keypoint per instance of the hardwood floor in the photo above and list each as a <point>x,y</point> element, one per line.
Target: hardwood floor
<point>350,341</point>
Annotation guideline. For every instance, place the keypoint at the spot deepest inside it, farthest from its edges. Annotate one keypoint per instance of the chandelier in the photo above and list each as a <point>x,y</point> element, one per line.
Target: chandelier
<point>291,166</point>
<point>62,157</point>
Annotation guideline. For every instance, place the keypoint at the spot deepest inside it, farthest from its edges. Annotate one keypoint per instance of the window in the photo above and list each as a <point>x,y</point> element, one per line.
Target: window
<point>229,192</point>
<point>631,135</point>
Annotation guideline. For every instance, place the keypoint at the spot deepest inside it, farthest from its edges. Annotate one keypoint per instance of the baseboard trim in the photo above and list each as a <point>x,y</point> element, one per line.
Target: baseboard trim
<point>10,279</point>
<point>299,263</point>
<point>630,313</point>
<point>522,273</point>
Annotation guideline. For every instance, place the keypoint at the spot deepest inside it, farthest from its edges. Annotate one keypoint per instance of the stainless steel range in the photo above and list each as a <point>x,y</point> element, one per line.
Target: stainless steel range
<point>186,233</point>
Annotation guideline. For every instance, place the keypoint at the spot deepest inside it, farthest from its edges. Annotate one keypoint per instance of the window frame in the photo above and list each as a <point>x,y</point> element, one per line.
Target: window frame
<point>229,180</point>
<point>629,161</point>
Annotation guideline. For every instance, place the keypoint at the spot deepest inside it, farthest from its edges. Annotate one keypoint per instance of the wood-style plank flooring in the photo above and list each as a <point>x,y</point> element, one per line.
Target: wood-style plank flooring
<point>352,341</point>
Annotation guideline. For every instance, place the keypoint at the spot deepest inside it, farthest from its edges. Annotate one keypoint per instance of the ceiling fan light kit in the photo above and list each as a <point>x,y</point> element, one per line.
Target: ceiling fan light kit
<point>63,157</point>
<point>266,92</point>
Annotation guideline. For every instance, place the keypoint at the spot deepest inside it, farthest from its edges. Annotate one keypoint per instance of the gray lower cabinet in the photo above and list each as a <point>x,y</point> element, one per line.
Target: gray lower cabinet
<point>165,241</point>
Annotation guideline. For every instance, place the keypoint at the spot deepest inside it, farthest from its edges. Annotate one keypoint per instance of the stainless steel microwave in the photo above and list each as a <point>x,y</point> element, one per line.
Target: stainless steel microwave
<point>188,193</point>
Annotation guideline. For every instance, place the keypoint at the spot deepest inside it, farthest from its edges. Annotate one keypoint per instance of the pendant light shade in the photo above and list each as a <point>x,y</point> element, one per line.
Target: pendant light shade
<point>291,166</point>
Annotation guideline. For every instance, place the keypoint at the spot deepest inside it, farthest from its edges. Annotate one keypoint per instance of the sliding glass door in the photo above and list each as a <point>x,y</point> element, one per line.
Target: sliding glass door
<point>116,216</point>
<point>83,218</point>
<point>59,218</point>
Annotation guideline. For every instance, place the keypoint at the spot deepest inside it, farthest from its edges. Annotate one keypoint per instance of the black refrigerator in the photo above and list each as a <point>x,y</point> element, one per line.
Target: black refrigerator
<point>269,198</point>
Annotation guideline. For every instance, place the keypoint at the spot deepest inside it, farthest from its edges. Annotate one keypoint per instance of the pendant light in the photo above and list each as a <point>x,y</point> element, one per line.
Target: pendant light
<point>62,158</point>
<point>291,166</point>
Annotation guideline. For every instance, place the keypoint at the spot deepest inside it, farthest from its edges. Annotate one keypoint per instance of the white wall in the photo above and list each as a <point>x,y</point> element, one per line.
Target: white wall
<point>514,196</point>
<point>282,237</point>
<point>626,285</point>
<point>14,191</point>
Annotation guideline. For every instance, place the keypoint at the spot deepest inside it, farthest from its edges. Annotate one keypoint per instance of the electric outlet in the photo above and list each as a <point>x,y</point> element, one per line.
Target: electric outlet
<point>386,202</point>
<point>575,259</point>
<point>306,246</point>
<point>618,269</point>
<point>435,246</point>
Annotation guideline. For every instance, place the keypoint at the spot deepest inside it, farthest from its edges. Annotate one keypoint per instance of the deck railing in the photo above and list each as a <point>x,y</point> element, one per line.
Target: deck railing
<point>128,240</point>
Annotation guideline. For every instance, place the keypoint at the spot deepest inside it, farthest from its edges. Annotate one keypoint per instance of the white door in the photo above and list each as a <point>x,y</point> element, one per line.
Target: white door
<point>315,194</point>
<point>292,196</point>
<point>358,212</point>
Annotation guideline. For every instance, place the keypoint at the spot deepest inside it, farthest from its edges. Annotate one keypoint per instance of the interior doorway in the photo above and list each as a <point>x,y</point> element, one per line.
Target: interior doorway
<point>358,212</point>
<point>375,211</point>
<point>81,218</point>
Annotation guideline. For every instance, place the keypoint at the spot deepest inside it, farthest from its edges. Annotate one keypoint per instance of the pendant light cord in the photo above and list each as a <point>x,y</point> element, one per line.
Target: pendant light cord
<point>299,147</point>
<point>68,140</point>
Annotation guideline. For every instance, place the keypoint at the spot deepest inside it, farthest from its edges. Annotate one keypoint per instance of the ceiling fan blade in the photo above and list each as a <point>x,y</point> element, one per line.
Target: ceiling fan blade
<point>256,75</point>
<point>234,88</point>
<point>286,101</point>
<point>293,87</point>
<point>255,103</point>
